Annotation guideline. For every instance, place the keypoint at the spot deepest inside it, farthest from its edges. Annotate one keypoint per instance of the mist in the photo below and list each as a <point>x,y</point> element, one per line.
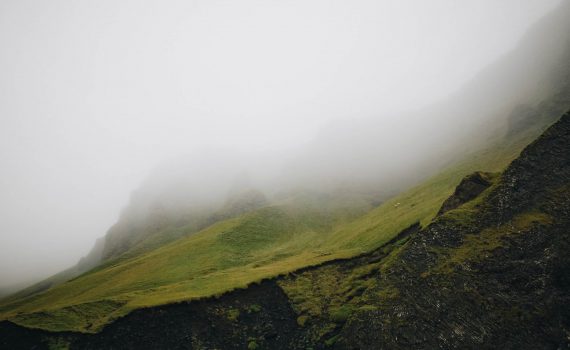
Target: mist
<point>106,107</point>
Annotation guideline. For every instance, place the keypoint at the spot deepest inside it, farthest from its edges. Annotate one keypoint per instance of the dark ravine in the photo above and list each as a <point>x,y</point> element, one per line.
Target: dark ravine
<point>491,272</point>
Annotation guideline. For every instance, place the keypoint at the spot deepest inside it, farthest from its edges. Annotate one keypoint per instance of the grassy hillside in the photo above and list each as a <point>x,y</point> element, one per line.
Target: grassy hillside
<point>481,268</point>
<point>422,202</point>
<point>234,253</point>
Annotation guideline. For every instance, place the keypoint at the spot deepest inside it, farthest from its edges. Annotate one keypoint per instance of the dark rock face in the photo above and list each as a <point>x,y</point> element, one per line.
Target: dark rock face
<point>469,188</point>
<point>258,315</point>
<point>16,337</point>
<point>498,282</point>
<point>495,275</point>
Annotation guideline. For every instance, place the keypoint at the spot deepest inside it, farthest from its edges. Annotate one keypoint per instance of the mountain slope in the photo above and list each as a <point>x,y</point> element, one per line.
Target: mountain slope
<point>524,91</point>
<point>489,273</point>
<point>163,253</point>
<point>234,253</point>
<point>494,271</point>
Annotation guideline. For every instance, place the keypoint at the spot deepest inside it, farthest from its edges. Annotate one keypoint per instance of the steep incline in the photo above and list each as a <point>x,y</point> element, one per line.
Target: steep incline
<point>535,77</point>
<point>234,253</point>
<point>491,273</point>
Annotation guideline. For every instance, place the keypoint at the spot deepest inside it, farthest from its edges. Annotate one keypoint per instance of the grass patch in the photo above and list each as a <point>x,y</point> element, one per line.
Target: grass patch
<point>302,320</point>
<point>332,340</point>
<point>341,314</point>
<point>254,308</point>
<point>233,314</point>
<point>252,345</point>
<point>367,308</point>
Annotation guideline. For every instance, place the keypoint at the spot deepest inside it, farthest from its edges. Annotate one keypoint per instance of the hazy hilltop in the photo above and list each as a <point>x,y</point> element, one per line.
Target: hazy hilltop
<point>394,154</point>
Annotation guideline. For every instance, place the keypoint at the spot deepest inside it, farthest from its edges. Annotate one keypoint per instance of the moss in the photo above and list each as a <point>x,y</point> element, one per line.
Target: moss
<point>331,341</point>
<point>356,291</point>
<point>233,314</point>
<point>325,329</point>
<point>252,345</point>
<point>302,320</point>
<point>341,314</point>
<point>461,217</point>
<point>392,257</point>
<point>387,293</point>
<point>370,269</point>
<point>254,308</point>
<point>366,308</point>
<point>88,315</point>
<point>528,220</point>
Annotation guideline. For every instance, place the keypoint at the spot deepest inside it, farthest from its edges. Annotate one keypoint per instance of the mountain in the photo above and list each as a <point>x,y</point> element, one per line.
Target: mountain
<point>491,271</point>
<point>233,253</point>
<point>524,90</point>
<point>530,83</point>
<point>406,255</point>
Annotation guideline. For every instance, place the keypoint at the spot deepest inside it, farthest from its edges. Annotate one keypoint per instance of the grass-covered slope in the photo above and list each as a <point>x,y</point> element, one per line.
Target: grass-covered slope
<point>163,263</point>
<point>422,202</point>
<point>236,252</point>
<point>491,270</point>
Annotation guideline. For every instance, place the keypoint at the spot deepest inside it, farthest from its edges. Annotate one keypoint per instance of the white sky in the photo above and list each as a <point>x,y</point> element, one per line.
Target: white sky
<point>93,94</point>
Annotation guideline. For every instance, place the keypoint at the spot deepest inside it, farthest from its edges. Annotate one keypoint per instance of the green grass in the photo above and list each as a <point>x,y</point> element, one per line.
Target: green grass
<point>234,253</point>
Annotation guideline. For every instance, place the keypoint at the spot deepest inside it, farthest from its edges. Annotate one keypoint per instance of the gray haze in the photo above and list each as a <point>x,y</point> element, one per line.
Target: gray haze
<point>94,95</point>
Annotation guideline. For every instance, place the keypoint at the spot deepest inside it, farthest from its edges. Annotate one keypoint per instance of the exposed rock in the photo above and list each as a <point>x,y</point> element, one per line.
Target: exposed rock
<point>469,188</point>
<point>493,280</point>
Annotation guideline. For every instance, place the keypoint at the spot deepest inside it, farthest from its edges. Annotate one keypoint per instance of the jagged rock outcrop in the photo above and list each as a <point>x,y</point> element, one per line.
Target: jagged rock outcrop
<point>469,188</point>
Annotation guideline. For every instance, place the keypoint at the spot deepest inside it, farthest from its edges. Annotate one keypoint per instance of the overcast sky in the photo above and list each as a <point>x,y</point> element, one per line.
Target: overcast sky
<point>94,94</point>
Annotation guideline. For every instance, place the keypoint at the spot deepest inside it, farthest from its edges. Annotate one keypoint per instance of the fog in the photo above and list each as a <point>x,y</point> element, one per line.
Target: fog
<point>99,99</point>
